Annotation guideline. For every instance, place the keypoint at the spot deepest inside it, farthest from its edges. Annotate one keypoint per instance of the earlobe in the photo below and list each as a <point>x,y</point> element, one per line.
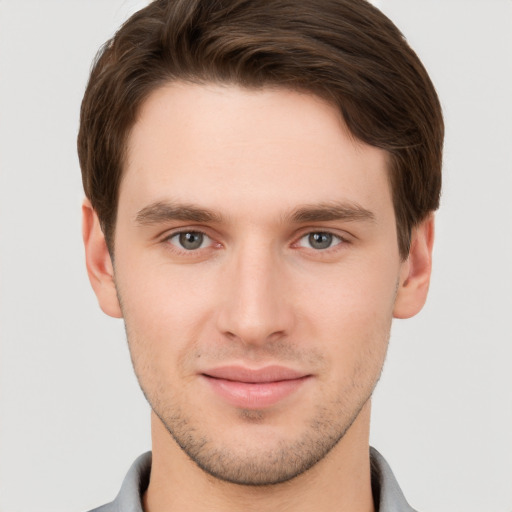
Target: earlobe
<point>98,262</point>
<point>416,270</point>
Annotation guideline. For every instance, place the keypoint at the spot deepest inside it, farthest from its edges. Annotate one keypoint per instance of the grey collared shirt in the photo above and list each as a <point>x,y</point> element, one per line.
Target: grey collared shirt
<point>386,493</point>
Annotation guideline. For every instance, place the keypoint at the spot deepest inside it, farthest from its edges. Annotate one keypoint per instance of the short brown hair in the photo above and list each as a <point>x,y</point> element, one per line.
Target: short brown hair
<point>345,51</point>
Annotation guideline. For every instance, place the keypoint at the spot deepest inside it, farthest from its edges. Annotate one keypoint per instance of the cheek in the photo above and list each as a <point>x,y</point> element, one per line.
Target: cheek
<point>352,295</point>
<point>166,312</point>
<point>162,296</point>
<point>352,315</point>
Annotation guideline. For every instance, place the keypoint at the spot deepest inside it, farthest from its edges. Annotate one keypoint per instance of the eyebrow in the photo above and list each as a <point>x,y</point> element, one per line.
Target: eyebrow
<point>324,212</point>
<point>160,212</point>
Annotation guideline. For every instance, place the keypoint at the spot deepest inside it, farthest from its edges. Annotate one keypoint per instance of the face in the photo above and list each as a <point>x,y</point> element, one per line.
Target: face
<point>257,265</point>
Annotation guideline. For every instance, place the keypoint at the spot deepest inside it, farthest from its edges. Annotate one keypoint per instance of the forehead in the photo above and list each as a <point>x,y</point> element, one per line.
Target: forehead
<point>224,144</point>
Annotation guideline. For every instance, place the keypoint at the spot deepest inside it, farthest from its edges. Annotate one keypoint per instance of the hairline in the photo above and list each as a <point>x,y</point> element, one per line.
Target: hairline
<point>205,81</point>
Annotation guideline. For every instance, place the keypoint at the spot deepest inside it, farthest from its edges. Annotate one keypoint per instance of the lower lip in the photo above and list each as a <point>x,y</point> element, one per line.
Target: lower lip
<point>257,395</point>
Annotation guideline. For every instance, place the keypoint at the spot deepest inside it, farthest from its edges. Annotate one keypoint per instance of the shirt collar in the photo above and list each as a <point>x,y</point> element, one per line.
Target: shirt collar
<point>387,495</point>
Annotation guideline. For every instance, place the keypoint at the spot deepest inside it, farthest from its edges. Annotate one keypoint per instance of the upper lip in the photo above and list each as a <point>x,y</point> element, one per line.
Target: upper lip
<point>272,373</point>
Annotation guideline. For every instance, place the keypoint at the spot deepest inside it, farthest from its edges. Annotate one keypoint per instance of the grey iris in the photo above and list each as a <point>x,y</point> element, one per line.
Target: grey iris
<point>320,240</point>
<point>191,240</point>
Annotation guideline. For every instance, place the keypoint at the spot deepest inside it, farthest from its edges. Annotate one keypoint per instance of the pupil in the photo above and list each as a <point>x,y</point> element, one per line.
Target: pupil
<point>191,240</point>
<point>320,240</point>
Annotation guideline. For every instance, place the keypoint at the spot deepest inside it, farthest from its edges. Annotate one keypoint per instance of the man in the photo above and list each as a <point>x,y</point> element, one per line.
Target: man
<point>261,178</point>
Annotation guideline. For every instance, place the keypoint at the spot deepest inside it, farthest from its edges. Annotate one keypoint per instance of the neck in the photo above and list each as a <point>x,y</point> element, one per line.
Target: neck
<point>341,481</point>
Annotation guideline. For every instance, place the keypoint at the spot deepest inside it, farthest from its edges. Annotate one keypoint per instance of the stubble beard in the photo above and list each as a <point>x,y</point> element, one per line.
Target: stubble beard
<point>281,461</point>
<point>258,466</point>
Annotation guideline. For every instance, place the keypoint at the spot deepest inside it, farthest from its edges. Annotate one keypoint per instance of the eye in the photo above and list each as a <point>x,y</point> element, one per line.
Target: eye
<point>319,240</point>
<point>190,240</point>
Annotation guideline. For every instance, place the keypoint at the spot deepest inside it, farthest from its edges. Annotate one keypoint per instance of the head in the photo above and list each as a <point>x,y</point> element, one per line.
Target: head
<point>345,51</point>
<point>263,176</point>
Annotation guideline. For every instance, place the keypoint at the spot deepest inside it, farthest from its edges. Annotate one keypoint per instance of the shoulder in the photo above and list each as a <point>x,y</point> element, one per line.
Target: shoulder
<point>129,498</point>
<point>109,507</point>
<point>386,491</point>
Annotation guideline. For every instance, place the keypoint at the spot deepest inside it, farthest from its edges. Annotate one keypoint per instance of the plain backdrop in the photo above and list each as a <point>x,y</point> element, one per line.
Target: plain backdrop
<point>72,417</point>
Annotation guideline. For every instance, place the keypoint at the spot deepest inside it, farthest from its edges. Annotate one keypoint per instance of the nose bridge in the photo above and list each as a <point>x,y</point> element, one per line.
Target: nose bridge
<point>254,309</point>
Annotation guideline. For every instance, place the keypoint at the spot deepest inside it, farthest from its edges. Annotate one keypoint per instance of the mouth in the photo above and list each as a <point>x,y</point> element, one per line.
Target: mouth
<point>260,388</point>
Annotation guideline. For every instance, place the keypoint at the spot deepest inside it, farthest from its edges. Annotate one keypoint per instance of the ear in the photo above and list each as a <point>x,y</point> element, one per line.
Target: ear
<point>98,262</point>
<point>415,271</point>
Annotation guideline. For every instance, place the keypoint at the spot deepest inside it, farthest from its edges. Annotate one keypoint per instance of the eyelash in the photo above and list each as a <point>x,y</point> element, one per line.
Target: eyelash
<point>181,250</point>
<point>335,240</point>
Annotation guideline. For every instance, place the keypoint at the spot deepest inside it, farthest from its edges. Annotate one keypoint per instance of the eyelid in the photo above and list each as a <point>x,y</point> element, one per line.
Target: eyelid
<point>170,232</point>
<point>342,235</point>
<point>205,242</point>
<point>166,237</point>
<point>337,240</point>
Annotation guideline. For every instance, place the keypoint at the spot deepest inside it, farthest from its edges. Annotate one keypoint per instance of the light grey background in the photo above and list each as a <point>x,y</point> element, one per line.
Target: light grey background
<point>72,418</point>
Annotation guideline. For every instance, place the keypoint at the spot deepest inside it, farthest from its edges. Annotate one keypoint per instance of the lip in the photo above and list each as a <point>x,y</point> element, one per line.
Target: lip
<point>254,388</point>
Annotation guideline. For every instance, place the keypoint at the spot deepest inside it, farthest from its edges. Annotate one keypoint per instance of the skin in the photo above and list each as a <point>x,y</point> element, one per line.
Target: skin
<point>258,174</point>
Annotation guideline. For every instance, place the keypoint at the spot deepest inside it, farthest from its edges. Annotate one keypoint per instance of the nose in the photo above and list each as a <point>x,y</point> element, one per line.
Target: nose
<point>256,307</point>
